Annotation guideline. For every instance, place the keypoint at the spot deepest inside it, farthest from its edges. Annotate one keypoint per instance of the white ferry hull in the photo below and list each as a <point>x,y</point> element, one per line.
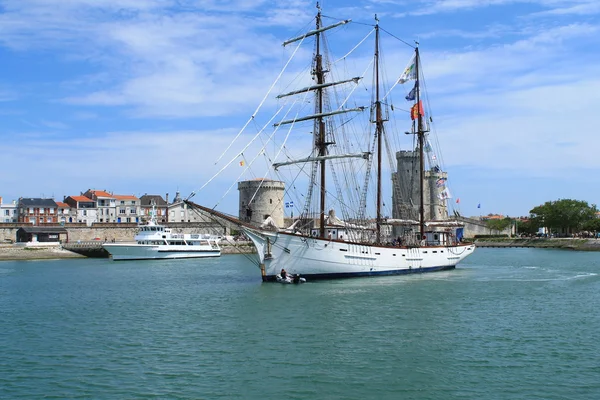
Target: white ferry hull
<point>314,258</point>
<point>132,251</point>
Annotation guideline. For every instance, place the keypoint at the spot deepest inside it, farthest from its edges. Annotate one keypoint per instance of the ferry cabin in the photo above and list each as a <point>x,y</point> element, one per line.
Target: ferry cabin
<point>159,235</point>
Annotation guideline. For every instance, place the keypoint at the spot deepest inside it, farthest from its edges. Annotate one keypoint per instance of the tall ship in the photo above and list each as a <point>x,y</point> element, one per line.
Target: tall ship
<point>154,241</point>
<point>363,205</point>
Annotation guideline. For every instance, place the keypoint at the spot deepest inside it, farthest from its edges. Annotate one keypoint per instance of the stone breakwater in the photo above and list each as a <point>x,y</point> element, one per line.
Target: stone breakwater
<point>12,252</point>
<point>542,243</point>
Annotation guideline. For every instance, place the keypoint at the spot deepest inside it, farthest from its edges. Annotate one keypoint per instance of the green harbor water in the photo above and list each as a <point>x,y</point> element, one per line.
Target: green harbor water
<point>506,324</point>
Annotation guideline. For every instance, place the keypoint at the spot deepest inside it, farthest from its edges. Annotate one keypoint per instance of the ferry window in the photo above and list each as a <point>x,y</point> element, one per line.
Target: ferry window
<point>270,201</point>
<point>435,237</point>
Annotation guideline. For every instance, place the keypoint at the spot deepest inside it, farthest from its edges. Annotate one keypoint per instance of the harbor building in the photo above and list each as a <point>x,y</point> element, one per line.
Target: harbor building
<point>85,208</point>
<point>260,199</point>
<point>8,211</point>
<point>37,211</point>
<point>406,189</point>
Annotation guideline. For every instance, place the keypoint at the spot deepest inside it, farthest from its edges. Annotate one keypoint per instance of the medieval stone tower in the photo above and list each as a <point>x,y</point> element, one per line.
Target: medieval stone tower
<point>260,199</point>
<point>406,186</point>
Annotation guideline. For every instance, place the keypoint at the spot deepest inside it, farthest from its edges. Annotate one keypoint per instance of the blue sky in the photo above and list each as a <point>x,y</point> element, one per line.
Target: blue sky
<point>140,96</point>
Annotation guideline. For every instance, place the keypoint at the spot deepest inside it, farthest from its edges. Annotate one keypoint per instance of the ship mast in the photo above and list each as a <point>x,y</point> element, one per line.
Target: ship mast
<point>421,135</point>
<point>320,143</point>
<point>378,131</point>
<point>320,153</point>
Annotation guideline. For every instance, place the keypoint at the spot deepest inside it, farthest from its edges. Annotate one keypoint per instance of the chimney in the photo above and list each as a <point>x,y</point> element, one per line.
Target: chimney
<point>167,209</point>
<point>0,199</point>
<point>167,198</point>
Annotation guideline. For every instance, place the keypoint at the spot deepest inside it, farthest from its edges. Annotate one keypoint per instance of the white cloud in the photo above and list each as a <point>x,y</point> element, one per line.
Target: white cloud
<point>149,159</point>
<point>514,94</point>
<point>586,8</point>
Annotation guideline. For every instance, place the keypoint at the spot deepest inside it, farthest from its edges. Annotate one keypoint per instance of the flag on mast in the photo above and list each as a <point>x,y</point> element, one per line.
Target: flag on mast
<point>412,94</point>
<point>409,72</point>
<point>416,110</point>
<point>445,194</point>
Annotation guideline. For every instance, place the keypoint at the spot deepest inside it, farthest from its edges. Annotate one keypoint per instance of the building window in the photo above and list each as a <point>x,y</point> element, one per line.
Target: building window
<point>123,202</point>
<point>270,201</point>
<point>32,220</point>
<point>6,212</point>
<point>30,210</point>
<point>132,211</point>
<point>84,213</point>
<point>133,202</point>
<point>121,211</point>
<point>52,211</point>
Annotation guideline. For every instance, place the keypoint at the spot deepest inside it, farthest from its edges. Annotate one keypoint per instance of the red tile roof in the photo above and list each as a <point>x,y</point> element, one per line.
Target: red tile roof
<point>101,193</point>
<point>80,198</point>
<point>124,197</point>
<point>63,205</point>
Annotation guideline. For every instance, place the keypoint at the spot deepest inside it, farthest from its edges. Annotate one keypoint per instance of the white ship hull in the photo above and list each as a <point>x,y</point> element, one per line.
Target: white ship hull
<point>315,258</point>
<point>134,251</point>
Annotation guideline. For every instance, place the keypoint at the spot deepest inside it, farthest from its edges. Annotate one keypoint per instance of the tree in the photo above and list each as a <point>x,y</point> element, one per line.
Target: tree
<point>592,225</point>
<point>499,224</point>
<point>563,215</point>
<point>527,226</point>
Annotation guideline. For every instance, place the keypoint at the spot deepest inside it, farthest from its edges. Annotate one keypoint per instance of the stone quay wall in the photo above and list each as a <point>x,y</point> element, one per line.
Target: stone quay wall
<point>107,232</point>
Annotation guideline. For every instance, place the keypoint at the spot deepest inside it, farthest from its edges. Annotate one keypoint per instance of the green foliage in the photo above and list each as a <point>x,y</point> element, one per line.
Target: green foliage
<point>499,224</point>
<point>528,227</point>
<point>567,215</point>
<point>490,236</point>
<point>592,225</point>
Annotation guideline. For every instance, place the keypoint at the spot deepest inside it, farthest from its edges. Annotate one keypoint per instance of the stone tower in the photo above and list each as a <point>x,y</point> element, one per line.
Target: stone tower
<point>260,199</point>
<point>406,186</point>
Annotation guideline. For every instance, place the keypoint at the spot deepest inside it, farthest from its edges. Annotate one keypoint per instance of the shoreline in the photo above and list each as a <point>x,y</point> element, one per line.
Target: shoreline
<point>20,253</point>
<point>17,253</point>
<point>576,244</point>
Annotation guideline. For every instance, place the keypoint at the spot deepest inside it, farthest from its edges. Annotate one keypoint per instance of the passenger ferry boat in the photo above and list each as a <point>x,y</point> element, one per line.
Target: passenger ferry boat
<point>155,241</point>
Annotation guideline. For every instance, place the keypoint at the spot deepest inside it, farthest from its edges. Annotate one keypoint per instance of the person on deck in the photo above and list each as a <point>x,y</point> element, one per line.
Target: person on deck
<point>283,273</point>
